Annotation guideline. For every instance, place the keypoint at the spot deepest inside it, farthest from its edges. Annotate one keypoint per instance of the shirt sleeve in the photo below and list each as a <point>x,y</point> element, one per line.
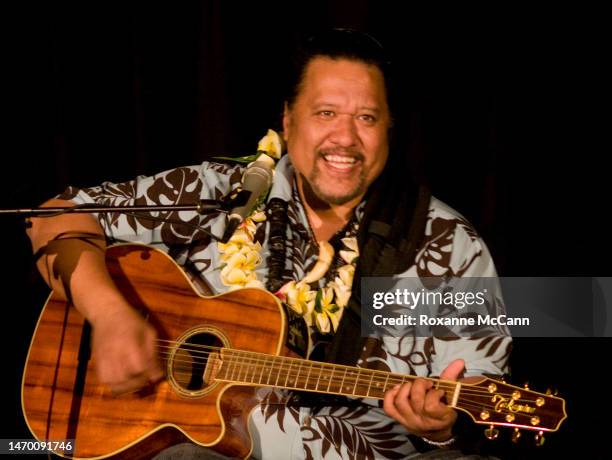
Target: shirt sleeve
<point>487,351</point>
<point>165,229</point>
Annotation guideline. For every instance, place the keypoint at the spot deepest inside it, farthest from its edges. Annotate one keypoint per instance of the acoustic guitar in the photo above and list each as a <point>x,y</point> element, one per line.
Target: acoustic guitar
<point>216,352</point>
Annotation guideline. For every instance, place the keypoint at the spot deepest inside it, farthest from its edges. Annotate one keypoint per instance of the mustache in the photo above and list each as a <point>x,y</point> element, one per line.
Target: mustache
<point>345,151</point>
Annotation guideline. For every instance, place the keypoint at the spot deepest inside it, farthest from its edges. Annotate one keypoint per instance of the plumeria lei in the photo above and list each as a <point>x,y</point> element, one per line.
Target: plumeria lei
<point>241,255</point>
<point>324,306</point>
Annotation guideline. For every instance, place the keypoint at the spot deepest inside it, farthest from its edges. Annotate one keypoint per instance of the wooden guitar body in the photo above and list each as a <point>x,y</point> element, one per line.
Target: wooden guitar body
<point>62,398</point>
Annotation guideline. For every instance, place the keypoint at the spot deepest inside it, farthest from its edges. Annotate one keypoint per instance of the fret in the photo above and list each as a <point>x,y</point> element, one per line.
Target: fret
<point>245,366</point>
<point>272,369</point>
<point>240,362</point>
<point>279,371</point>
<point>342,382</point>
<point>296,384</point>
<point>288,373</point>
<point>370,383</point>
<point>252,366</point>
<point>233,363</point>
<point>319,378</point>
<point>331,377</point>
<point>250,371</point>
<point>385,384</point>
<point>263,368</point>
<point>249,368</point>
<point>335,383</point>
<point>308,376</point>
<point>379,385</point>
<point>241,367</point>
<point>356,380</point>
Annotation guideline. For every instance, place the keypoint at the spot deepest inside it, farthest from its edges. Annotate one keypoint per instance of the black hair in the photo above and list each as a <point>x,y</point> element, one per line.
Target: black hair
<point>337,44</point>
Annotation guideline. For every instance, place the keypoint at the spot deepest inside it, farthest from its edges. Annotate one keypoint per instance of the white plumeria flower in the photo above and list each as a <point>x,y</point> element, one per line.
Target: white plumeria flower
<point>233,275</point>
<point>335,317</point>
<point>346,273</point>
<point>342,291</point>
<point>255,284</point>
<point>322,322</point>
<point>227,250</point>
<point>300,297</point>
<point>272,144</point>
<point>351,255</point>
<point>351,243</point>
<point>241,236</point>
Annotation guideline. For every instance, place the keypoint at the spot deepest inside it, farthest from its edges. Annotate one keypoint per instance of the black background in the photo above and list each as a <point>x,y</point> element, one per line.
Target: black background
<point>498,107</point>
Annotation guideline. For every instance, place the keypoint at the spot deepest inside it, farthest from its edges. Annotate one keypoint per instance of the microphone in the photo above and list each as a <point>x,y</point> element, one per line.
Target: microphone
<point>256,179</point>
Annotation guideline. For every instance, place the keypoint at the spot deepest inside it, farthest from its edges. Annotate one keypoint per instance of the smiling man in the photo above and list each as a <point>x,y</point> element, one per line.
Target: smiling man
<point>337,137</point>
<point>339,187</point>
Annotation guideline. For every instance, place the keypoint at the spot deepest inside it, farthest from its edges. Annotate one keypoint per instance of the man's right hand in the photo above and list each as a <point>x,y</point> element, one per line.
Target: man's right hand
<point>124,347</point>
<point>70,250</point>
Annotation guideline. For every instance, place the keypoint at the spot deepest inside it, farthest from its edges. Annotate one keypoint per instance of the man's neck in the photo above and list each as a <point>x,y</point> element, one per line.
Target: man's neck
<point>325,219</point>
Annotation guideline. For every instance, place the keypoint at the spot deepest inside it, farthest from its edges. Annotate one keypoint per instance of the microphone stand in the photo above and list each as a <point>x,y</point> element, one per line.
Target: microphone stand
<point>224,205</point>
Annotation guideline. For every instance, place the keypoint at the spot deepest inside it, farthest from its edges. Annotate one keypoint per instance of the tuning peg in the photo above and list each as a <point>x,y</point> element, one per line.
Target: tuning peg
<point>491,433</point>
<point>539,439</point>
<point>552,392</point>
<point>516,435</point>
<point>526,385</point>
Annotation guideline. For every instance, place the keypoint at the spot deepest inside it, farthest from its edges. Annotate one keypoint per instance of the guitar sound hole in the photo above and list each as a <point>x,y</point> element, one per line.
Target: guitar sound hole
<point>190,361</point>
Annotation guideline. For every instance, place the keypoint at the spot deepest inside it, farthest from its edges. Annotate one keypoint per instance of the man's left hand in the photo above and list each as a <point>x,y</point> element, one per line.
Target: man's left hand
<point>420,408</point>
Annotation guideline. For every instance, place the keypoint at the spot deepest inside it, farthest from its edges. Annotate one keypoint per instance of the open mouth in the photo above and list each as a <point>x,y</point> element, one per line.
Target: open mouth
<point>340,162</point>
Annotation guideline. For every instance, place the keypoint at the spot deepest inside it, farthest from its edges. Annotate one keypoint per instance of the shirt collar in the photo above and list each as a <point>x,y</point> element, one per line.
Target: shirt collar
<point>283,180</point>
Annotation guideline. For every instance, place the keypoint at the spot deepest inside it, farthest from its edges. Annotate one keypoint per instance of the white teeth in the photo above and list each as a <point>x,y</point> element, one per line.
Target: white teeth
<point>339,159</point>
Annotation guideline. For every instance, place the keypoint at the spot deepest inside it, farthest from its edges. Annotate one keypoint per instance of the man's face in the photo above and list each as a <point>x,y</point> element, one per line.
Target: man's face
<point>337,128</point>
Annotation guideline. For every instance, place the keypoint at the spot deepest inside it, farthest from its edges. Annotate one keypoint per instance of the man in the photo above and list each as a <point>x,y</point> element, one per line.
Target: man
<point>336,125</point>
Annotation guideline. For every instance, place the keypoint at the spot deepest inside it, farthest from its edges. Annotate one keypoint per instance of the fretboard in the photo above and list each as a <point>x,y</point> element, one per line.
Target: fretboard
<point>297,374</point>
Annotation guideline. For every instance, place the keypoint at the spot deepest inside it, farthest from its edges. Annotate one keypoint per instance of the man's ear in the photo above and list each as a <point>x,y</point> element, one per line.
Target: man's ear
<point>286,121</point>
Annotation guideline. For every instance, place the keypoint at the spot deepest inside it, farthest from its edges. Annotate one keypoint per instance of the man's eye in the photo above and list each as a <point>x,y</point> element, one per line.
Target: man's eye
<point>326,113</point>
<point>369,119</point>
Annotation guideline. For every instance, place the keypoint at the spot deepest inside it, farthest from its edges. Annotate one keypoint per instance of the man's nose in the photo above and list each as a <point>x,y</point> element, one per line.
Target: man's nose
<point>344,131</point>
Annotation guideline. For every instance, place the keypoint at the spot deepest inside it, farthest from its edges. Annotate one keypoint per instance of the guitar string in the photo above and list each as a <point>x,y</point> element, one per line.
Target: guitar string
<point>256,358</point>
<point>464,404</point>
<point>476,405</point>
<point>261,365</point>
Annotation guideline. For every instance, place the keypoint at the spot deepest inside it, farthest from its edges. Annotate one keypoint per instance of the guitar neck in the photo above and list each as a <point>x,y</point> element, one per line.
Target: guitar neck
<point>235,366</point>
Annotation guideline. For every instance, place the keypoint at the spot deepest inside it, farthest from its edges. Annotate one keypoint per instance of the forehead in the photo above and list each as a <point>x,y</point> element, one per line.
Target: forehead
<point>324,75</point>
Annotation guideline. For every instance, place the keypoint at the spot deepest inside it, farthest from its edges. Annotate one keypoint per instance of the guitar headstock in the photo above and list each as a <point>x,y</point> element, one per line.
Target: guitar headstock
<point>497,403</point>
